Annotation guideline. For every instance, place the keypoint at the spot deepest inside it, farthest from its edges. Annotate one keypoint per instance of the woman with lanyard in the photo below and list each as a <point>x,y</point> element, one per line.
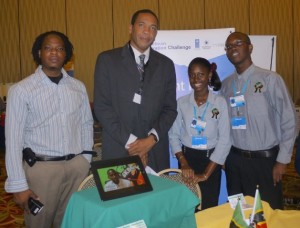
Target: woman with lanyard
<point>200,135</point>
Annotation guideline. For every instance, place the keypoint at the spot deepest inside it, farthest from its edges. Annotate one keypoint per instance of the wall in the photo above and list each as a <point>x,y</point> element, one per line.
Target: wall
<point>97,25</point>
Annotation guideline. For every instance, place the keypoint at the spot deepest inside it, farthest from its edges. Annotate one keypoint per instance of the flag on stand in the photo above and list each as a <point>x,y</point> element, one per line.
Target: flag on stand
<point>257,216</point>
<point>238,218</point>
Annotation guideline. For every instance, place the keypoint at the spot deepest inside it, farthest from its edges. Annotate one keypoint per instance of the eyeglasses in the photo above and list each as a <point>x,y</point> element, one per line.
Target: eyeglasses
<point>238,43</point>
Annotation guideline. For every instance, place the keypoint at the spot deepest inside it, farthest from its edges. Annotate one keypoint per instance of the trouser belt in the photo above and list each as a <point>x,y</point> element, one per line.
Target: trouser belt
<point>30,157</point>
<point>207,151</point>
<point>272,152</point>
<point>61,158</point>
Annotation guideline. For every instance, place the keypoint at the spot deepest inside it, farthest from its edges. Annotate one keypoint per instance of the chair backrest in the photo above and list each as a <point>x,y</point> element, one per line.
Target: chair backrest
<point>98,148</point>
<point>88,182</point>
<point>176,175</point>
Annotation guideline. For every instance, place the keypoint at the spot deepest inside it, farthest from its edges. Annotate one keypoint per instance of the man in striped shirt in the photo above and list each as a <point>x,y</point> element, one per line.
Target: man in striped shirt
<point>48,118</point>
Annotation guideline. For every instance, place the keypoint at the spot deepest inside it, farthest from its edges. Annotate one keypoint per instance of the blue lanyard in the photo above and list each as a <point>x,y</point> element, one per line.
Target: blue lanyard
<point>203,114</point>
<point>243,89</point>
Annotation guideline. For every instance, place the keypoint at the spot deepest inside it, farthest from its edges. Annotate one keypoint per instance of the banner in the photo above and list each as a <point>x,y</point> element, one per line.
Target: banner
<point>264,51</point>
<point>184,45</point>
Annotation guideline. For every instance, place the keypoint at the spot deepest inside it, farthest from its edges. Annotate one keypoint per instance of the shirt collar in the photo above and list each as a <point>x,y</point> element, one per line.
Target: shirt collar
<point>137,54</point>
<point>44,77</point>
<point>245,75</point>
<point>192,97</point>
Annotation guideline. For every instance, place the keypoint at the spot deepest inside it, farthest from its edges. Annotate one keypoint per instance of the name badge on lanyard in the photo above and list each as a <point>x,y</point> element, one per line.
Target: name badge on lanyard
<point>238,122</point>
<point>198,124</point>
<point>237,101</point>
<point>137,98</point>
<point>199,142</point>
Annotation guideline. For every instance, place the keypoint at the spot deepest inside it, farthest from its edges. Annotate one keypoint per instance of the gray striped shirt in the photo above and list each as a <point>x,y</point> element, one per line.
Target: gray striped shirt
<point>52,119</point>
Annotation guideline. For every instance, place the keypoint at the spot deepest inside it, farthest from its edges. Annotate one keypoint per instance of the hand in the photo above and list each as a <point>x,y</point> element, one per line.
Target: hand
<point>145,160</point>
<point>141,147</point>
<point>278,170</point>
<point>187,172</point>
<point>200,178</point>
<point>21,199</point>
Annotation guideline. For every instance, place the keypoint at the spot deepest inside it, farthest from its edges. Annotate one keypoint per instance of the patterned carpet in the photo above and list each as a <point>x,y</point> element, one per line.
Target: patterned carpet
<point>11,216</point>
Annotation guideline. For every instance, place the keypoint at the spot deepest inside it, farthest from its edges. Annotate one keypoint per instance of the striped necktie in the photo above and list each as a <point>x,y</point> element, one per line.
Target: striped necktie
<point>141,64</point>
<point>140,67</point>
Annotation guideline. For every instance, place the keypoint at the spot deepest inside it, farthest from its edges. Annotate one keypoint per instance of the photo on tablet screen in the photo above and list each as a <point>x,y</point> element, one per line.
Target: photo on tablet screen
<point>120,177</point>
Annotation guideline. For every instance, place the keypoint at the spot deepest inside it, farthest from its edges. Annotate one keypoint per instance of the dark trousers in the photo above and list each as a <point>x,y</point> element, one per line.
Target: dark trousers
<point>244,174</point>
<point>210,189</point>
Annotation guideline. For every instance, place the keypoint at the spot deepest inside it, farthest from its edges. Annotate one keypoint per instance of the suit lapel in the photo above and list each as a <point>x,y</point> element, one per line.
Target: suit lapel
<point>151,65</point>
<point>129,62</point>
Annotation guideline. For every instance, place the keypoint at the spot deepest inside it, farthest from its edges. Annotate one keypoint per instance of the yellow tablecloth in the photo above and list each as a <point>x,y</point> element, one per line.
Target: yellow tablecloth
<point>220,216</point>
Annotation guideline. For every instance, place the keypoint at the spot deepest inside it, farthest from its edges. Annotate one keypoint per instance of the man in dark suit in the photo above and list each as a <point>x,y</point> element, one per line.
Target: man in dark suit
<point>136,102</point>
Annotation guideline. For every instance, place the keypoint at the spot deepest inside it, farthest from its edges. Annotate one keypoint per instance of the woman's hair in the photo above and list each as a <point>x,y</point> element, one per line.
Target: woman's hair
<point>215,82</point>
<point>37,45</point>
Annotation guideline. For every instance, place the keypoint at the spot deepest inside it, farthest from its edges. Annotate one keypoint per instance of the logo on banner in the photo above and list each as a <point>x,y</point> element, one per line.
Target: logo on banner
<point>206,45</point>
<point>197,43</point>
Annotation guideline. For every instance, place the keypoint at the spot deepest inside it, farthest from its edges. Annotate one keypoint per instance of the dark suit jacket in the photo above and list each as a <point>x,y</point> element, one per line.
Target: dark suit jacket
<point>117,79</point>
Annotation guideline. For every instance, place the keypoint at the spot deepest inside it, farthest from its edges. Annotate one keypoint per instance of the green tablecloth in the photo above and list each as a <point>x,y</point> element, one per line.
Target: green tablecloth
<point>170,204</point>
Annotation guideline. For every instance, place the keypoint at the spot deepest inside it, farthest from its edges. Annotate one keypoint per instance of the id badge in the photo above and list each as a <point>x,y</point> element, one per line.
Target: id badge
<point>198,124</point>
<point>199,142</point>
<point>238,122</point>
<point>237,101</point>
<point>137,98</point>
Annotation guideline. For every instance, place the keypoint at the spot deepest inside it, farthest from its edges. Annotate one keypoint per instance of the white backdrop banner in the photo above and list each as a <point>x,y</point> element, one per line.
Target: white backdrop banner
<point>184,45</point>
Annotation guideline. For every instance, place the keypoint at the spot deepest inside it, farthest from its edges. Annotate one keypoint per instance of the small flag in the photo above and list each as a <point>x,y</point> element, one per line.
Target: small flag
<point>257,216</point>
<point>238,218</point>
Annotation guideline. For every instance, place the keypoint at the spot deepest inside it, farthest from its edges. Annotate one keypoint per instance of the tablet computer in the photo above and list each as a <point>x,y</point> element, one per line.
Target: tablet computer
<point>120,177</point>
